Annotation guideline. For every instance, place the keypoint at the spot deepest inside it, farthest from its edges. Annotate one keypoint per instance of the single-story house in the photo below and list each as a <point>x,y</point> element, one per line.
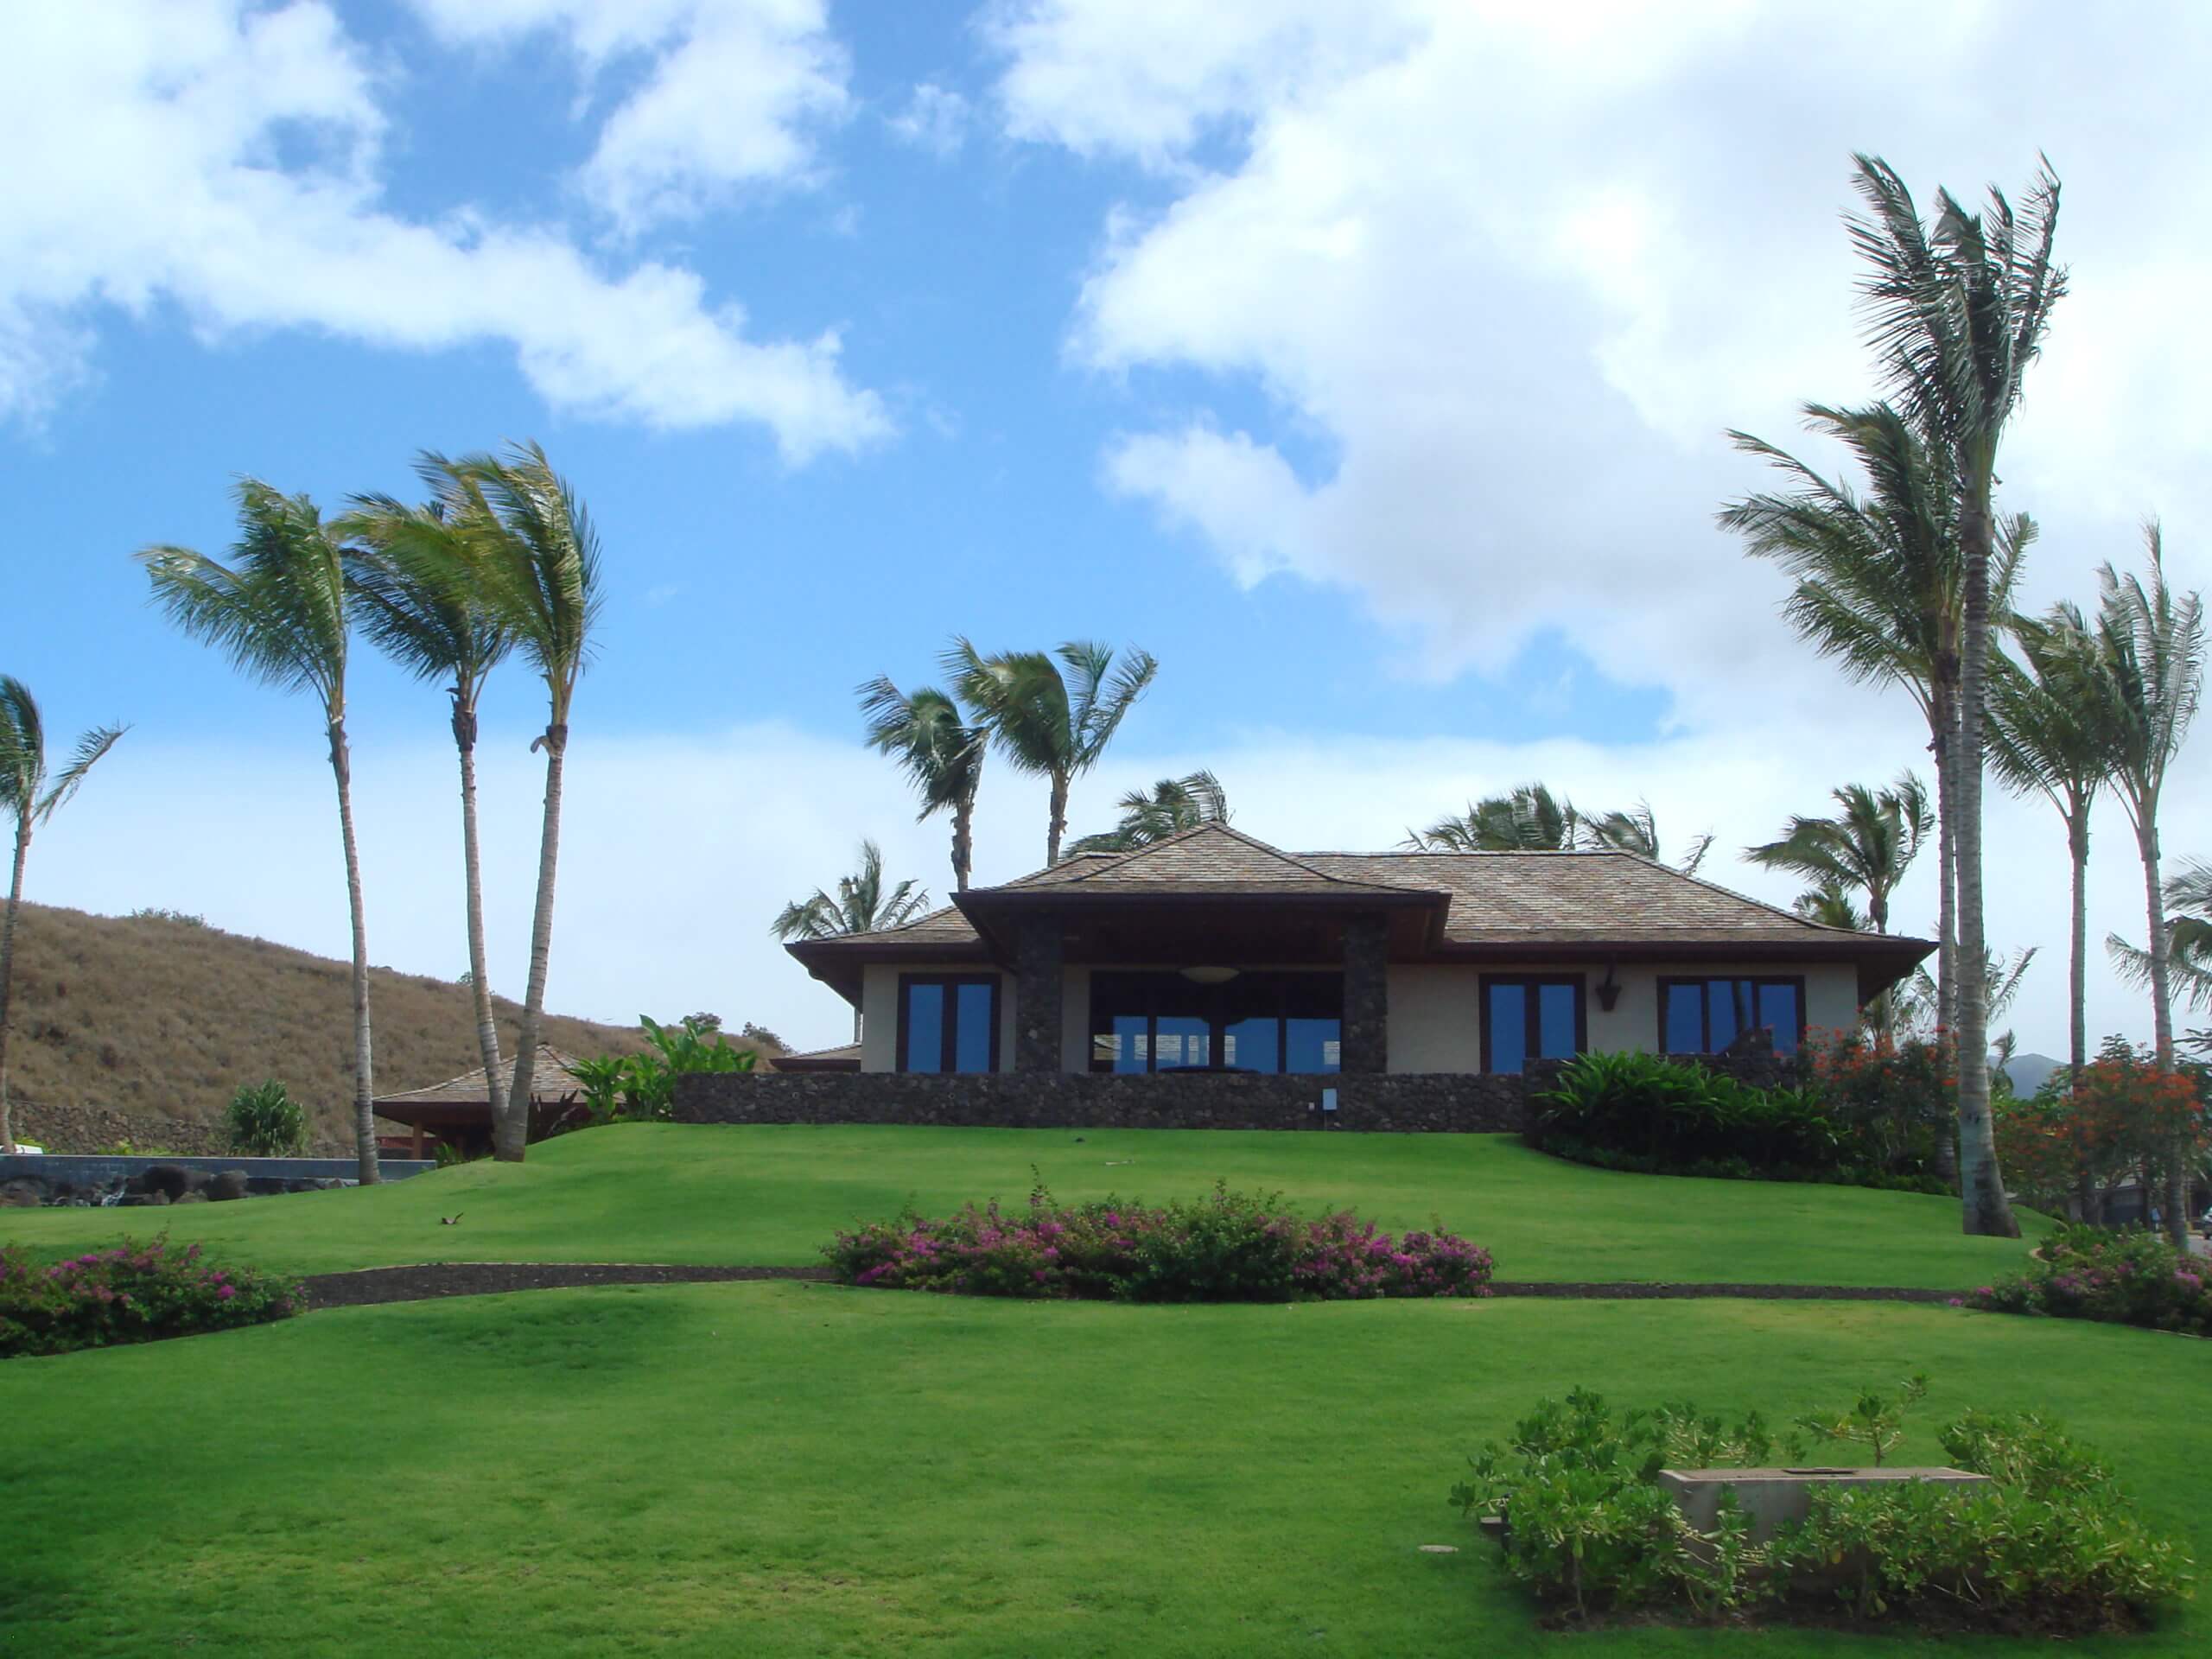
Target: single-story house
<point>458,1112</point>
<point>1213,951</point>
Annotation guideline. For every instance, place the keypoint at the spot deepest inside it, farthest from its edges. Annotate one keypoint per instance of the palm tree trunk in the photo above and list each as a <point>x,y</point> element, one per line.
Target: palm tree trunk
<point>365,1115</point>
<point>510,1136</point>
<point>2077,969</point>
<point>1947,859</point>
<point>1059,826</point>
<point>1986,1210</point>
<point>480,981</point>
<point>8,973</point>
<point>2161,1012</point>
<point>964,843</point>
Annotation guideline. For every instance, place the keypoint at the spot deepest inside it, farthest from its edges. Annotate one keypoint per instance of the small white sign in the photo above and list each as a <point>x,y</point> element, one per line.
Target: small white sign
<point>1328,1100</point>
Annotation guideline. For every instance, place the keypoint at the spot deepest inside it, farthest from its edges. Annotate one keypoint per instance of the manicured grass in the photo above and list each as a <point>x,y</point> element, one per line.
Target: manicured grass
<point>778,1470</point>
<point>677,1193</point>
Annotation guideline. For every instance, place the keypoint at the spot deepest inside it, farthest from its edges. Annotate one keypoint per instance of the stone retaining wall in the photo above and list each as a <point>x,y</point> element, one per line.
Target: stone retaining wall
<point>1190,1100</point>
<point>93,1129</point>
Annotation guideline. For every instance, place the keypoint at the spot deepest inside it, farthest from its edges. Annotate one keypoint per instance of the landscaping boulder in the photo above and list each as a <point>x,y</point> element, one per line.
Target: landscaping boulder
<point>197,1196</point>
<point>24,1194</point>
<point>229,1184</point>
<point>172,1181</point>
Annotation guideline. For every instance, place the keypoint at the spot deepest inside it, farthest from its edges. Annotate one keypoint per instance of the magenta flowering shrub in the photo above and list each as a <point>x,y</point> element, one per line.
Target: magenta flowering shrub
<point>2123,1278</point>
<point>133,1293</point>
<point>1228,1247</point>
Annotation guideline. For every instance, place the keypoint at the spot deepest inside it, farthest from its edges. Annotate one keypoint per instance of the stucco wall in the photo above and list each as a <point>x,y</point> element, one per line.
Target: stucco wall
<point>1435,1011</point>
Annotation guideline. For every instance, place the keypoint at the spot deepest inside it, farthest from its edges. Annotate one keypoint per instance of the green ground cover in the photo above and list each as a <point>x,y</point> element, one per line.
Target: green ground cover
<point>656,1193</point>
<point>780,1469</point>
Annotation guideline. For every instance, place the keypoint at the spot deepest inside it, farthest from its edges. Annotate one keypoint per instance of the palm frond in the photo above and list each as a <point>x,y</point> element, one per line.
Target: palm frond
<point>90,747</point>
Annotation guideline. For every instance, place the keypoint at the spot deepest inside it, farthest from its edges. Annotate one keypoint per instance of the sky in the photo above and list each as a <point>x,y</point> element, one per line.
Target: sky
<point>1371,366</point>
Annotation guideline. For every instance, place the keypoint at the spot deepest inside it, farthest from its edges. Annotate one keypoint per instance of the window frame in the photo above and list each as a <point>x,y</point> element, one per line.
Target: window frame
<point>1668,982</point>
<point>1532,1015</point>
<point>1217,1026</point>
<point>950,1021</point>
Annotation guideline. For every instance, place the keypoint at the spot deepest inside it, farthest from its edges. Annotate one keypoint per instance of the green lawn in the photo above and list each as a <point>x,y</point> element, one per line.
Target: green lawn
<point>780,1469</point>
<point>672,1193</point>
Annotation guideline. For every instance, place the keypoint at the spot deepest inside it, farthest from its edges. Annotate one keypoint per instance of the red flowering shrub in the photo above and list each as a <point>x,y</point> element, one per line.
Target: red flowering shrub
<point>2122,1112</point>
<point>1228,1247</point>
<point>135,1292</point>
<point>1894,1101</point>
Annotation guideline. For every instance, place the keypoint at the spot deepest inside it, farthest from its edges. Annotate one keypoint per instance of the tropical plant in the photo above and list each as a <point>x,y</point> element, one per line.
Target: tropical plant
<point>2052,730</point>
<point>860,905</point>
<point>2152,641</point>
<point>535,568</point>
<point>31,796</point>
<point>1866,847</point>
<point>2189,946</point>
<point>265,1120</point>
<point>1531,819</point>
<point>1051,713</point>
<point>414,596</point>
<point>941,753</point>
<point>1956,315</point>
<point>1831,906</point>
<point>1875,1420</point>
<point>278,611</point>
<point>1173,805</point>
<point>1879,587</point>
<point>641,1088</point>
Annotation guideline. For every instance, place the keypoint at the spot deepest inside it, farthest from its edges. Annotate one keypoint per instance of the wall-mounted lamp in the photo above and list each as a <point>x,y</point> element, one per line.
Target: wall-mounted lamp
<point>1210,976</point>
<point>1608,990</point>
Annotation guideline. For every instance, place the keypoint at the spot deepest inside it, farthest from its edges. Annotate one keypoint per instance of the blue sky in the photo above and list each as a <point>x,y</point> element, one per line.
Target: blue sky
<point>1368,366</point>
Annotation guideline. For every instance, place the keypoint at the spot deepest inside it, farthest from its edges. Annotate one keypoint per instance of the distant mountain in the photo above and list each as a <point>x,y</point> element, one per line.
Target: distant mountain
<point>2028,1070</point>
<point>164,1015</point>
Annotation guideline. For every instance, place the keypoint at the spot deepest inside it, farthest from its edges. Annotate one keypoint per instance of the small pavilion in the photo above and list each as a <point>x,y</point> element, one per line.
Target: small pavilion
<point>458,1113</point>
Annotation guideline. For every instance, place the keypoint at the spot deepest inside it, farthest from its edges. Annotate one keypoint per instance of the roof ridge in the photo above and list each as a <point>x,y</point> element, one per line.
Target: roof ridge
<point>1296,860</point>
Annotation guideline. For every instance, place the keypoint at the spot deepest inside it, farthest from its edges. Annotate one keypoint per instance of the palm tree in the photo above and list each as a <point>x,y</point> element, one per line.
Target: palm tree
<point>941,753</point>
<point>31,796</point>
<point>1637,831</point>
<point>2051,731</point>
<point>1831,906</point>
<point>535,568</point>
<point>410,567</point>
<point>1531,819</point>
<point>859,905</point>
<point>1866,848</point>
<point>1528,819</point>
<point>1955,316</point>
<point>2152,643</point>
<point>1880,589</point>
<point>1051,713</point>
<point>278,611</point>
<point>1173,805</point>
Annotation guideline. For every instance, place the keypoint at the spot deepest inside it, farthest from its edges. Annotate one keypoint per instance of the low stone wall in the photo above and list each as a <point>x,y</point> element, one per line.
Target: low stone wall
<point>93,1129</point>
<point>1191,1100</point>
<point>28,1180</point>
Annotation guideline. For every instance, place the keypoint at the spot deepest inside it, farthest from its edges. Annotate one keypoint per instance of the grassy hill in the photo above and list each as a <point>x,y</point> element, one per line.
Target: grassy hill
<point>761,1194</point>
<point>164,1018</point>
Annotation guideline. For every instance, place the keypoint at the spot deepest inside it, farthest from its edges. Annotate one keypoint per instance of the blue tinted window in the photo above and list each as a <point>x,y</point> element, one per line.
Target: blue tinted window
<point>924,1027</point>
<point>1252,1045</point>
<point>972,1042</point>
<point>1728,1011</point>
<point>1130,1049</point>
<point>1312,1045</point>
<point>1555,1022</point>
<point>1508,1014</point>
<point>1779,1012</point>
<point>1685,1018</point>
<point>1183,1039</point>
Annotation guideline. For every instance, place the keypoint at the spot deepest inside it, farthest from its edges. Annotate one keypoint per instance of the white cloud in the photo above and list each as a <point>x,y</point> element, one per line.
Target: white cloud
<point>732,94</point>
<point>665,911</point>
<point>227,161</point>
<point>935,119</point>
<point>1510,271</point>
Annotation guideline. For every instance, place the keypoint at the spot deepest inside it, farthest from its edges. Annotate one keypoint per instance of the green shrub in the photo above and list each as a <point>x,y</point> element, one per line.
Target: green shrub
<point>133,1293</point>
<point>267,1122</point>
<point>641,1088</point>
<point>2129,1277</point>
<point>1654,1115</point>
<point>2050,1546</point>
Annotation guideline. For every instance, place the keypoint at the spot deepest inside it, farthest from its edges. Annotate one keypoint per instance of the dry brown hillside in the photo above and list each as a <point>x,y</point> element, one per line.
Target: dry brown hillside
<point>168,1017</point>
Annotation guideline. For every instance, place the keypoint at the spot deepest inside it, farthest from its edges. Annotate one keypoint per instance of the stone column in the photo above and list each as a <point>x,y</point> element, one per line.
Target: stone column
<point>1367,995</point>
<point>1037,958</point>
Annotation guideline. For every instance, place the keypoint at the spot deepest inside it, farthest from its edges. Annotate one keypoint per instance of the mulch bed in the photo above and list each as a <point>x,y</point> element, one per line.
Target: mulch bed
<point>372,1285</point>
